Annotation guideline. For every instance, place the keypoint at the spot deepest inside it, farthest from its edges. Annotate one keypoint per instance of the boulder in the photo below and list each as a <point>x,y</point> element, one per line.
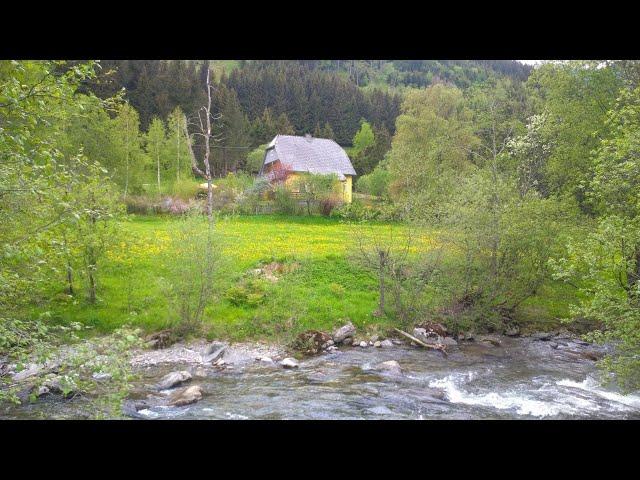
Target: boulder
<point>173,379</point>
<point>364,344</point>
<point>55,385</point>
<point>490,340</point>
<point>268,360</point>
<point>101,376</point>
<point>386,343</point>
<point>542,336</point>
<point>467,337</point>
<point>131,408</point>
<point>312,342</point>
<point>419,332</point>
<point>213,347</point>
<point>344,332</point>
<point>377,344</point>
<point>30,371</point>
<point>390,366</point>
<point>200,372</point>
<point>447,341</point>
<point>347,341</point>
<point>41,390</point>
<point>512,332</point>
<point>185,396</point>
<point>214,352</point>
<point>289,363</point>
<point>436,328</point>
<point>162,339</point>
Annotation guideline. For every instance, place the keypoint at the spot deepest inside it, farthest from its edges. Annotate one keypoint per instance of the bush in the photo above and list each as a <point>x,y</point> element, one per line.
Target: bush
<point>255,159</point>
<point>141,205</point>
<point>185,189</point>
<point>252,198</point>
<point>174,206</point>
<point>228,191</point>
<point>358,210</point>
<point>375,183</point>
<point>250,292</point>
<point>328,204</point>
<point>193,263</point>
<point>284,201</point>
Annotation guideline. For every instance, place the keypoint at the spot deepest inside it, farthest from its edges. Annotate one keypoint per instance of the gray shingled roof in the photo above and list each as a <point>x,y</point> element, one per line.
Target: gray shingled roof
<point>309,154</point>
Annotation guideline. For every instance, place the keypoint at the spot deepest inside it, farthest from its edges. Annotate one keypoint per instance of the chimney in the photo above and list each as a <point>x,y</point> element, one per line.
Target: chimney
<point>308,137</point>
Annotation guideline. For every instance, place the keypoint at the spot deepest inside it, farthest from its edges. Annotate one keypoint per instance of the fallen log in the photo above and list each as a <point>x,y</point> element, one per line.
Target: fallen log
<point>437,346</point>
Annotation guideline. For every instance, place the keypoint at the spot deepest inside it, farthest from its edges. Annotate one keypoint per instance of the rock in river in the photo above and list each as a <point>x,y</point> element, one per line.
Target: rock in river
<point>344,332</point>
<point>386,343</point>
<point>390,366</point>
<point>490,340</point>
<point>542,336</point>
<point>185,396</point>
<point>172,379</point>
<point>214,352</point>
<point>289,363</point>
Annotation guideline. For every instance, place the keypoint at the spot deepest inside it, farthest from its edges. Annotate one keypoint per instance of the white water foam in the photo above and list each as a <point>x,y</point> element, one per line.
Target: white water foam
<point>523,404</point>
<point>236,416</point>
<point>504,401</point>
<point>148,413</point>
<point>592,386</point>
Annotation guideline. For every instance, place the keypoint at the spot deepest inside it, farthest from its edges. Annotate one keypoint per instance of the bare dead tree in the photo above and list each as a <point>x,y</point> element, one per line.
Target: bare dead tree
<point>203,124</point>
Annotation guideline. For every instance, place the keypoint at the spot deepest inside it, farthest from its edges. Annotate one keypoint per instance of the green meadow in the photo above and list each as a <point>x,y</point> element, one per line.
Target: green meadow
<point>321,288</point>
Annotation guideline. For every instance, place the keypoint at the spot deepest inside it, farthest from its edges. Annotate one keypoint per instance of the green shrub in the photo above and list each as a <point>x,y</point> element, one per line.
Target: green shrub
<point>193,264</point>
<point>375,183</point>
<point>252,199</point>
<point>185,189</point>
<point>250,292</point>
<point>284,202</point>
<point>141,205</point>
<point>359,210</point>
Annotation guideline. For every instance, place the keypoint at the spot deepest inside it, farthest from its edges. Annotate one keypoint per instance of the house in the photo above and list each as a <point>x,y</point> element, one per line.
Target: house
<point>312,155</point>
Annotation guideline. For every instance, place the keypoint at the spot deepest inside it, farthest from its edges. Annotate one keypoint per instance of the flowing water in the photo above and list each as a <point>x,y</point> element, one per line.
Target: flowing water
<point>522,379</point>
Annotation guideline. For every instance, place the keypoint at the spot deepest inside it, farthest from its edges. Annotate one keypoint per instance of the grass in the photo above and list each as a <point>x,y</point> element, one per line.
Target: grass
<point>323,291</point>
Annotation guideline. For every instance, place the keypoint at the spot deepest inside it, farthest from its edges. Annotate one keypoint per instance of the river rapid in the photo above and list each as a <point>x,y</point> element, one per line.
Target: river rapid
<point>523,378</point>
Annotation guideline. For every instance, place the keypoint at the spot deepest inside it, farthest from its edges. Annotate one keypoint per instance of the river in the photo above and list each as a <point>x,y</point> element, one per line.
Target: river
<point>522,379</point>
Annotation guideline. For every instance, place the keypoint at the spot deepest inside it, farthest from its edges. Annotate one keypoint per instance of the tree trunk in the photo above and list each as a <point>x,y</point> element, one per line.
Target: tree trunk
<point>158,164</point>
<point>633,277</point>
<point>126,180</point>
<point>69,279</point>
<point>92,286</point>
<point>178,139</point>
<point>207,151</point>
<point>382,257</point>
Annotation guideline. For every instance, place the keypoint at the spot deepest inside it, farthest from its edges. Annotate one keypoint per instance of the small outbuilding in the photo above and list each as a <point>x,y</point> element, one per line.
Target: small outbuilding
<point>309,155</point>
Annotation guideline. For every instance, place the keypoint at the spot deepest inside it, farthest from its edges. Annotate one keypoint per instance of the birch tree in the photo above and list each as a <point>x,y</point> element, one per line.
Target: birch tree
<point>202,125</point>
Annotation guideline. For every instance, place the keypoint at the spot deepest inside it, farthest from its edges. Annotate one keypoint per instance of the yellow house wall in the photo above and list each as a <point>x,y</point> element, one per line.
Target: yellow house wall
<point>348,189</point>
<point>347,185</point>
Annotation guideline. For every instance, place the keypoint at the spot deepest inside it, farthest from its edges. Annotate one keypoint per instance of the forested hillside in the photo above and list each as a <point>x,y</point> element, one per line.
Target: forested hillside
<point>421,73</point>
<point>258,99</point>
